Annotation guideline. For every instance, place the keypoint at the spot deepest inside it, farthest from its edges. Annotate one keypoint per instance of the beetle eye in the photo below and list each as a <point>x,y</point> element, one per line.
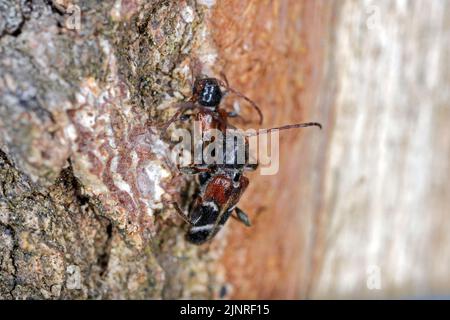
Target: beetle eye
<point>236,177</point>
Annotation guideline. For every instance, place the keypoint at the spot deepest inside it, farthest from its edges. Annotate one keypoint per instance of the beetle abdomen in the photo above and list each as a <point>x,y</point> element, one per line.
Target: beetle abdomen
<point>209,223</point>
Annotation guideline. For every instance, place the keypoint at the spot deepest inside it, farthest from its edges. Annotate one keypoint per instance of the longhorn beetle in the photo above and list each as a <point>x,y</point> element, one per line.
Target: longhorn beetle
<point>221,185</point>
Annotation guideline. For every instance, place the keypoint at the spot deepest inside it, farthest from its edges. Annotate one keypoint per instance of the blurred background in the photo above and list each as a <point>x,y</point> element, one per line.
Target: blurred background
<point>362,208</point>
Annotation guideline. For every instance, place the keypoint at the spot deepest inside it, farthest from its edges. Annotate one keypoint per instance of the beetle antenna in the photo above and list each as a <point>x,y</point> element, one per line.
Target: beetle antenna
<point>287,127</point>
<point>254,105</point>
<point>240,95</point>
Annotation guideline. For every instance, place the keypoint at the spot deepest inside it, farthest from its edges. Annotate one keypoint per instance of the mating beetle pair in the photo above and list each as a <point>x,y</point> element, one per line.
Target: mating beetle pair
<point>221,185</point>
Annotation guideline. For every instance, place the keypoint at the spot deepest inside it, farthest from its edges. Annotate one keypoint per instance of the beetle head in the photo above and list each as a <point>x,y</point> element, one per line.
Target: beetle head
<point>207,92</point>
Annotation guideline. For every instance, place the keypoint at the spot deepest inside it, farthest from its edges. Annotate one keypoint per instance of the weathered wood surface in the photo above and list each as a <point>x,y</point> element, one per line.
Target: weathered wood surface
<point>362,208</point>
<point>385,191</point>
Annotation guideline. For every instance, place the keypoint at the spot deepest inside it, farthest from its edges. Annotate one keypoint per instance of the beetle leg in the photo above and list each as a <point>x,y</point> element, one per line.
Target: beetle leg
<point>195,169</point>
<point>181,214</point>
<point>241,216</point>
<point>250,166</point>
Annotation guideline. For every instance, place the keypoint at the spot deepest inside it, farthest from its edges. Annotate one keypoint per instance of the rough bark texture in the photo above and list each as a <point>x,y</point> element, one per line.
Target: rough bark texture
<point>85,179</point>
<point>83,173</point>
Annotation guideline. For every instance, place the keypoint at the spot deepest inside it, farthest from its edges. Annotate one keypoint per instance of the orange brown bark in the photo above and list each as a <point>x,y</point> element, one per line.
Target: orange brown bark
<point>273,52</point>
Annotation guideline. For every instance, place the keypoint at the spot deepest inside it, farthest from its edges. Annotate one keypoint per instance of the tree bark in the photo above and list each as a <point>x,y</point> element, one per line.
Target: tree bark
<point>83,170</point>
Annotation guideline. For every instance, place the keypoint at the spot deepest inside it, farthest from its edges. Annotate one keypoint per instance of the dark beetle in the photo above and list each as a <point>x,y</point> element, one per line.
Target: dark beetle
<point>219,194</point>
<point>221,185</point>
